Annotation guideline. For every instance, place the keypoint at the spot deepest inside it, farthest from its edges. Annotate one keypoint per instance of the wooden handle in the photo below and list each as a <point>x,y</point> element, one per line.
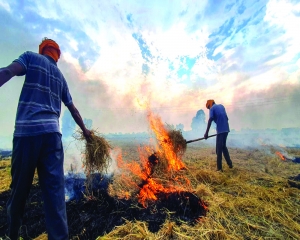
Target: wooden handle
<point>198,139</point>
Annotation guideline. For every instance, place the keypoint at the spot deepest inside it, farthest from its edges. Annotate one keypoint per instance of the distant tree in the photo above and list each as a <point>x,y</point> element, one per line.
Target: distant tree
<point>180,127</point>
<point>198,122</point>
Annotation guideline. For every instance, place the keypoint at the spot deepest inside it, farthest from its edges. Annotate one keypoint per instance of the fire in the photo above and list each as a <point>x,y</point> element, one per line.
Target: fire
<point>150,187</point>
<point>149,191</point>
<point>165,144</point>
<point>283,158</point>
<point>157,170</point>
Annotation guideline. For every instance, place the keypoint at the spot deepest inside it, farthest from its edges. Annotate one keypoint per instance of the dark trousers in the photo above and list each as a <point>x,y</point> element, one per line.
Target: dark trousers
<point>44,153</point>
<point>221,148</point>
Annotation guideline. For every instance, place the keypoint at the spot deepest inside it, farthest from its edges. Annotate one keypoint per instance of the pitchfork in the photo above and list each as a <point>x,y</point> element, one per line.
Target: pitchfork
<point>198,139</point>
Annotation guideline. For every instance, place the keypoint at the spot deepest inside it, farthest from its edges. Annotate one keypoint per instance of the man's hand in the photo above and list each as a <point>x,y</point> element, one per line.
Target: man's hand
<point>206,135</point>
<point>87,134</point>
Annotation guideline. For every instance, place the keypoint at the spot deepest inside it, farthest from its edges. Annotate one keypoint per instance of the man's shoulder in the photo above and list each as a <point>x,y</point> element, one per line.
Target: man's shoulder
<point>215,106</point>
<point>36,58</point>
<point>31,55</point>
<point>218,106</point>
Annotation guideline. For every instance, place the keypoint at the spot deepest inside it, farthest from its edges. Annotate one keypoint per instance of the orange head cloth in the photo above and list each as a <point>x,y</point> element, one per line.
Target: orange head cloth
<point>50,48</point>
<point>209,103</point>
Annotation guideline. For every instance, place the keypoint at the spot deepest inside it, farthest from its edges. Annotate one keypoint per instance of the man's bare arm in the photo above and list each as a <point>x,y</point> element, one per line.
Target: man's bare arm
<point>9,72</point>
<point>78,119</point>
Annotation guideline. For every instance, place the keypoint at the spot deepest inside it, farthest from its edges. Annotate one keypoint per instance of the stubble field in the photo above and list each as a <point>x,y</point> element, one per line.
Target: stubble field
<point>254,200</point>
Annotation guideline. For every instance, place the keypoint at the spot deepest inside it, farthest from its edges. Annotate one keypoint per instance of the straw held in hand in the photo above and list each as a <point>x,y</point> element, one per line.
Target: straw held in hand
<point>97,153</point>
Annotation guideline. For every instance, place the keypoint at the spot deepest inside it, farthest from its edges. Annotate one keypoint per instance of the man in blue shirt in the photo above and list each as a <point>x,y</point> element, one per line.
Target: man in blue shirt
<point>37,139</point>
<point>217,113</point>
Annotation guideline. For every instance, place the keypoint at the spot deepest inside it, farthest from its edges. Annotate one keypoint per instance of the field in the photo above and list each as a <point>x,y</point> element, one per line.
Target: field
<point>254,200</point>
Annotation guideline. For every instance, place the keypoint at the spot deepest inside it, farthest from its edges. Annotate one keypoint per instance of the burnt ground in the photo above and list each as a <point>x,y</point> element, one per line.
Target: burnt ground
<point>294,181</point>
<point>90,217</point>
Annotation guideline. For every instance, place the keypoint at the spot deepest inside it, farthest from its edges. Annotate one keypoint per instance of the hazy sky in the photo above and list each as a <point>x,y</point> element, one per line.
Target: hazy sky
<point>121,56</point>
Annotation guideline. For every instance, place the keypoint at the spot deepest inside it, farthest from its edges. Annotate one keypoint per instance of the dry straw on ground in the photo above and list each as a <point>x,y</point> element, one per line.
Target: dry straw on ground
<point>251,201</point>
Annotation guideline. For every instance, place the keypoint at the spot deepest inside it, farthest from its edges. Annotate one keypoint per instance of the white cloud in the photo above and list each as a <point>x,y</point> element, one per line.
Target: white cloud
<point>284,15</point>
<point>5,5</point>
<point>177,42</point>
<point>46,9</point>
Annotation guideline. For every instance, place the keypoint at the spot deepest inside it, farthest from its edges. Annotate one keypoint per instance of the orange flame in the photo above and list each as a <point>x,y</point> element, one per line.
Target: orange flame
<point>283,158</point>
<point>150,187</point>
<point>161,133</point>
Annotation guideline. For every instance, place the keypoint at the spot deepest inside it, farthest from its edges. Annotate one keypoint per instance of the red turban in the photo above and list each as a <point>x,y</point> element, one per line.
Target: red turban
<point>50,48</point>
<point>209,103</point>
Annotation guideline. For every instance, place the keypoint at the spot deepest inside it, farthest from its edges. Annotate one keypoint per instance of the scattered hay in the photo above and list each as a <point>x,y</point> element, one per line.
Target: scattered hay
<point>124,186</point>
<point>130,230</point>
<point>5,176</point>
<point>43,236</point>
<point>246,202</point>
<point>97,153</point>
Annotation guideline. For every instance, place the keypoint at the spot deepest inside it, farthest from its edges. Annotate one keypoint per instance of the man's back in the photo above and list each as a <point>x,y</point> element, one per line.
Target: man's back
<point>219,115</point>
<point>40,100</point>
<point>37,143</point>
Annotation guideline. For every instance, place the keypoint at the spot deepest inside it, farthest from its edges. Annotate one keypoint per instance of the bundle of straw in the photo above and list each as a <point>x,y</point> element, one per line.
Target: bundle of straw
<point>97,153</point>
<point>177,140</point>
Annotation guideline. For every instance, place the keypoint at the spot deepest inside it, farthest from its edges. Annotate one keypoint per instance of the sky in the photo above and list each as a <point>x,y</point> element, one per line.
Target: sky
<point>121,58</point>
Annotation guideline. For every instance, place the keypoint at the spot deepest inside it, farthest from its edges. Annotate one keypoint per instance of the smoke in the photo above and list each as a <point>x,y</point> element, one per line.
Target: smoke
<point>274,108</point>
<point>113,167</point>
<point>266,117</point>
<point>68,124</point>
<point>109,110</point>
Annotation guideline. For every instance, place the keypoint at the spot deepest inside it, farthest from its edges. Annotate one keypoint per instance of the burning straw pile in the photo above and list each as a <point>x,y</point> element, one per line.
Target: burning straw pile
<point>177,140</point>
<point>170,149</point>
<point>97,153</point>
<point>158,171</point>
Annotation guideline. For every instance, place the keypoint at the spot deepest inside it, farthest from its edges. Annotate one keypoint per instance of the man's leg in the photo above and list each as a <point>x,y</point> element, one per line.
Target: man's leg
<point>226,152</point>
<point>23,163</point>
<point>51,177</point>
<point>219,148</point>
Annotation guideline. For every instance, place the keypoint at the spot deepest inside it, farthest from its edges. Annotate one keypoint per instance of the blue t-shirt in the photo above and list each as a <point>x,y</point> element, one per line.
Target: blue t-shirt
<point>40,100</point>
<point>218,113</point>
